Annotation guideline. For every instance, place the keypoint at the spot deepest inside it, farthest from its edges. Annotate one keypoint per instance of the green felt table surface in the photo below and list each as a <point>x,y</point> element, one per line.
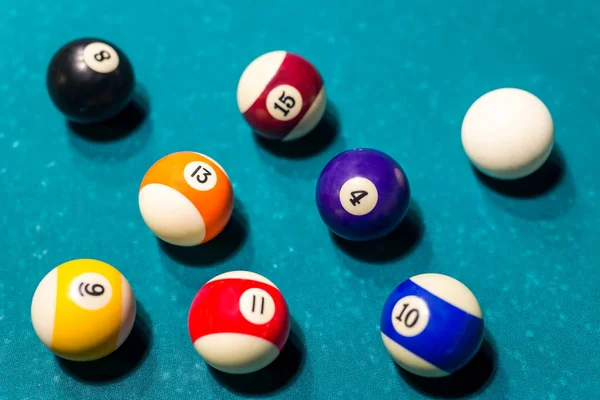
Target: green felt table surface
<point>400,77</point>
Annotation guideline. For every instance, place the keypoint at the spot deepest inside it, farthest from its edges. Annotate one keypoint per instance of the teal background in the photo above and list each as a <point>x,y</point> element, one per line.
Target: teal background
<point>400,77</point>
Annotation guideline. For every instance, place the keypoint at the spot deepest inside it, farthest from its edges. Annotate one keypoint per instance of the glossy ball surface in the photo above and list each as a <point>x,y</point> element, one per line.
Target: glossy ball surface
<point>186,198</point>
<point>83,310</point>
<point>90,80</point>
<point>508,133</point>
<point>281,96</point>
<point>432,325</point>
<point>239,322</point>
<point>362,194</point>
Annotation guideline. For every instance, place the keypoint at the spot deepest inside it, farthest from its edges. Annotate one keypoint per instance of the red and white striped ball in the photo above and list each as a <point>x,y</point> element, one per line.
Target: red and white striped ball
<point>281,95</point>
<point>239,322</point>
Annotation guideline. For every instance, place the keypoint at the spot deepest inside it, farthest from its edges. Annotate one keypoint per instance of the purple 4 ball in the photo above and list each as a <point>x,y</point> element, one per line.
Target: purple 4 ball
<point>362,194</point>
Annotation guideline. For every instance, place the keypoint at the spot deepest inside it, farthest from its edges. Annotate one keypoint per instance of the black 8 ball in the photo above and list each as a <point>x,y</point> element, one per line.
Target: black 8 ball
<point>90,80</point>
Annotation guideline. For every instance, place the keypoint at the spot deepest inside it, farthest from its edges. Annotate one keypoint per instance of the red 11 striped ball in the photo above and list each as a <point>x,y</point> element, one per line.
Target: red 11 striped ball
<point>281,95</point>
<point>239,322</point>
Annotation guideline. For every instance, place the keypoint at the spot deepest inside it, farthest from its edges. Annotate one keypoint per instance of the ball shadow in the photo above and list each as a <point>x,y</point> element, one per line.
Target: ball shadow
<point>224,246</point>
<point>315,142</point>
<point>120,363</point>
<point>193,266</point>
<point>274,377</point>
<point>397,244</point>
<point>468,381</point>
<point>118,137</point>
<point>546,178</point>
<point>544,195</point>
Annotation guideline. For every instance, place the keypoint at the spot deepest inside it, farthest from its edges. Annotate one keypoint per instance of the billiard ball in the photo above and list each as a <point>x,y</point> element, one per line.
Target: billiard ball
<point>281,96</point>
<point>83,310</point>
<point>186,198</point>
<point>508,133</point>
<point>239,322</point>
<point>432,325</point>
<point>90,80</point>
<point>362,194</point>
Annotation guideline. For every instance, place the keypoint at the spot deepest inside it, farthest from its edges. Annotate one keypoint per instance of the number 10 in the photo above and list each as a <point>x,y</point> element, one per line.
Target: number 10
<point>408,316</point>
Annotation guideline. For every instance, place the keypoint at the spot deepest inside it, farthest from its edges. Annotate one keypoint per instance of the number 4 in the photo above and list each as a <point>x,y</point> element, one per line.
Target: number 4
<point>357,195</point>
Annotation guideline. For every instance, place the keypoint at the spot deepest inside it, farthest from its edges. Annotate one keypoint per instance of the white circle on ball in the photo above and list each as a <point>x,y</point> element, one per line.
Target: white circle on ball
<point>100,57</point>
<point>359,196</point>
<point>284,102</point>
<point>200,175</point>
<point>90,291</point>
<point>257,306</point>
<point>410,316</point>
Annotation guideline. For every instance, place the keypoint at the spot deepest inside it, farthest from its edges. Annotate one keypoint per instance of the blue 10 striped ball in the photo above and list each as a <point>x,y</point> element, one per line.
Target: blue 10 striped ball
<point>432,325</point>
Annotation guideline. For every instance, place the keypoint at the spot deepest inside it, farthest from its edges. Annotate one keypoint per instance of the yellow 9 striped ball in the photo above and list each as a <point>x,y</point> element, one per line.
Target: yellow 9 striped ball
<point>83,310</point>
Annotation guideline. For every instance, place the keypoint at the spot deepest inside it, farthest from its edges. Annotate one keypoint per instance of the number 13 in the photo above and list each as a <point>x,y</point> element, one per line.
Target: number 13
<point>205,176</point>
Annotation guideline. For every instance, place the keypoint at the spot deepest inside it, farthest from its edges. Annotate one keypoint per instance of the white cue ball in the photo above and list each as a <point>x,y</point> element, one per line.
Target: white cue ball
<point>508,133</point>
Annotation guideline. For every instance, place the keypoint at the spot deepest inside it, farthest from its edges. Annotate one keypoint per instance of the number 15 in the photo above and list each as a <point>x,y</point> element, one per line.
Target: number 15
<point>288,101</point>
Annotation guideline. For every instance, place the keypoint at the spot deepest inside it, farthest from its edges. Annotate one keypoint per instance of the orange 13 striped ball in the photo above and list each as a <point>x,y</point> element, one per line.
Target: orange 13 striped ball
<point>186,198</point>
<point>83,310</point>
<point>281,95</point>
